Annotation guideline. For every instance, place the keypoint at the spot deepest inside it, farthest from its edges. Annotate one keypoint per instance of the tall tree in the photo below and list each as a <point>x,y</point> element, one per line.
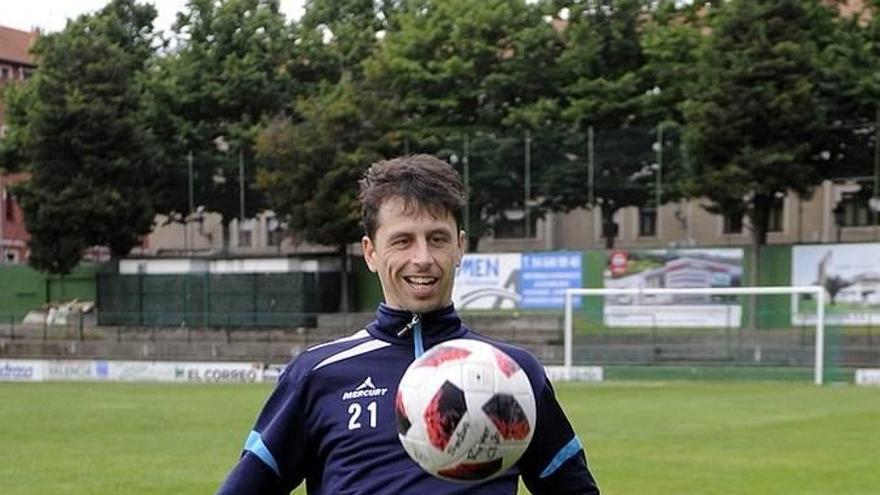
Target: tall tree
<point>228,68</point>
<point>850,89</point>
<point>610,104</point>
<point>465,70</point>
<point>313,164</point>
<point>752,127</point>
<point>84,138</point>
<point>753,130</point>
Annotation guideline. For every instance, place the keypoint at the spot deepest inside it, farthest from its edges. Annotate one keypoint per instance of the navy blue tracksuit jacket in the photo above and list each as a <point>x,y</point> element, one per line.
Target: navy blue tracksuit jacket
<point>346,444</point>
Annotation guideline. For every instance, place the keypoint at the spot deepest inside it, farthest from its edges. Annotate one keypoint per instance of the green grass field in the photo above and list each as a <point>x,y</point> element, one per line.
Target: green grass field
<point>642,437</point>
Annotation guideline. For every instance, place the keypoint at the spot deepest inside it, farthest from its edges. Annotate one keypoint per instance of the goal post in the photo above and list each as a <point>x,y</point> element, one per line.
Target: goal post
<point>817,291</point>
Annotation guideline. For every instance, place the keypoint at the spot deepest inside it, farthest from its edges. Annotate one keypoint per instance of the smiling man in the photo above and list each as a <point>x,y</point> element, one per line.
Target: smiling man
<point>330,421</point>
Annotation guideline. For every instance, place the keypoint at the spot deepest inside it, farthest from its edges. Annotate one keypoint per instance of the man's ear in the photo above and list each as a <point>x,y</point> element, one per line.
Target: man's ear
<point>462,246</point>
<point>369,252</point>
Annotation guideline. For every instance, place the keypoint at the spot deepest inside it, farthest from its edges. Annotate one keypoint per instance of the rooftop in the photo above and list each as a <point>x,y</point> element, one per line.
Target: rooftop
<point>15,45</point>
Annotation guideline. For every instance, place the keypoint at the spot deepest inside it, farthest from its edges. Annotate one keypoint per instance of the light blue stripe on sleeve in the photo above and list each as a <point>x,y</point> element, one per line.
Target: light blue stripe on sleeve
<point>255,445</point>
<point>565,453</point>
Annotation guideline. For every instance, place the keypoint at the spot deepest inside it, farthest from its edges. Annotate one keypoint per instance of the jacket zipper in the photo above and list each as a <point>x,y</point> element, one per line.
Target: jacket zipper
<point>415,325</point>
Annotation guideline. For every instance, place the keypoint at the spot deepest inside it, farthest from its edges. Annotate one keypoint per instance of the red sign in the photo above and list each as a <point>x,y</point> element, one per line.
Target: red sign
<point>617,263</point>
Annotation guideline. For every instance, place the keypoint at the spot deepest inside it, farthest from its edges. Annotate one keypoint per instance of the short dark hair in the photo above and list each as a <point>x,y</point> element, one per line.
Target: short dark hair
<point>421,181</point>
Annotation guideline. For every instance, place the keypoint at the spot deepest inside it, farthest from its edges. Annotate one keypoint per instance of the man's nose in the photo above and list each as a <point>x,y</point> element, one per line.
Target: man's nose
<point>421,255</point>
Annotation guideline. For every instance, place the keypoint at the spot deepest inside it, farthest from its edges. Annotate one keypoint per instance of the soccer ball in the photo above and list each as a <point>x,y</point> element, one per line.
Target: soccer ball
<point>465,411</point>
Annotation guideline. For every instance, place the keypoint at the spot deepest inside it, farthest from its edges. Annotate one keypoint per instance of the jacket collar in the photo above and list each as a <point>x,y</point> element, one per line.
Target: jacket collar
<point>391,325</point>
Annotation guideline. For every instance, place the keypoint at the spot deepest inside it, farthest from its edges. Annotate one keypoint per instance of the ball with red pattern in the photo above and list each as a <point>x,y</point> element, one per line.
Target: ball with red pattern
<point>465,411</point>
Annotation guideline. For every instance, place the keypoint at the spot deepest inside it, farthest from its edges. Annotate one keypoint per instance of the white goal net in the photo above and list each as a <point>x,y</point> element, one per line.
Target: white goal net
<point>659,309</point>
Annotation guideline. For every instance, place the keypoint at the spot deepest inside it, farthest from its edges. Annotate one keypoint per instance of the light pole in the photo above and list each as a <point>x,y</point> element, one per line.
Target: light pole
<point>527,184</point>
<point>466,178</point>
<point>874,202</point>
<point>241,190</point>
<point>659,176</point>
<point>190,196</point>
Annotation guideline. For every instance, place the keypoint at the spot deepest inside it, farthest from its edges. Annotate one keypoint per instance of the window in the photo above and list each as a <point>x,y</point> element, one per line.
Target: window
<point>647,221</point>
<point>246,233</point>
<point>776,218</point>
<point>4,73</point>
<point>514,228</point>
<point>853,211</point>
<point>8,204</point>
<point>275,237</point>
<point>244,238</point>
<point>733,223</point>
<point>274,232</point>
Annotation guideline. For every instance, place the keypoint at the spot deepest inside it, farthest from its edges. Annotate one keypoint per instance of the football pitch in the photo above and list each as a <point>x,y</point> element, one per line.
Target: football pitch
<point>642,437</point>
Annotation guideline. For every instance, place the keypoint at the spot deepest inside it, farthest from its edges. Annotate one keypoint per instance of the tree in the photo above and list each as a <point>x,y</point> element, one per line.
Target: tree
<point>466,71</point>
<point>752,127</point>
<point>753,130</point>
<point>610,104</point>
<point>312,165</point>
<point>82,104</point>
<point>621,168</point>
<point>228,71</point>
<point>850,89</point>
<point>335,37</point>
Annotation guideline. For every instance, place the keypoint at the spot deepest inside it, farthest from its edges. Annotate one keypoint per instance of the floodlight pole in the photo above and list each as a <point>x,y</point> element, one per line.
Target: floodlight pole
<point>241,189</point>
<point>527,183</point>
<point>659,176</point>
<point>465,163</point>
<point>189,170</point>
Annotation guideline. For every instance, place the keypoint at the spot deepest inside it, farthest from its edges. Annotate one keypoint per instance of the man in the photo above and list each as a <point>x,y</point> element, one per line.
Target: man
<point>339,443</point>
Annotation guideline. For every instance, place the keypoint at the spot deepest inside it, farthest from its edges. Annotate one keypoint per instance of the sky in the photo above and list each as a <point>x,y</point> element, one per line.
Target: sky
<point>52,15</point>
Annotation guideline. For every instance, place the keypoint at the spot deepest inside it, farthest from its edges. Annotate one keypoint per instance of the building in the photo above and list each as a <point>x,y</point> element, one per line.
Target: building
<point>16,62</point>
<point>16,65</point>
<point>833,214</point>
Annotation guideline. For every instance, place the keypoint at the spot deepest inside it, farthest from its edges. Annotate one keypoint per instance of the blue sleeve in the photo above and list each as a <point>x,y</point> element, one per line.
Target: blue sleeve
<point>275,454</point>
<point>251,476</point>
<point>555,462</point>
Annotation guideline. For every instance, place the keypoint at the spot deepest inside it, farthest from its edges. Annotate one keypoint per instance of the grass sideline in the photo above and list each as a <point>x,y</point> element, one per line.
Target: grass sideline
<point>642,437</point>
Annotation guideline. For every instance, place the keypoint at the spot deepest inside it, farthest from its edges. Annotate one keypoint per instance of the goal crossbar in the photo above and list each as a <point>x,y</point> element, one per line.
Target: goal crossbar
<point>817,290</point>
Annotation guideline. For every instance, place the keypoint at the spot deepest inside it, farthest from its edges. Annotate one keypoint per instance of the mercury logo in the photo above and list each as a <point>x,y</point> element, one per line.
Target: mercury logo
<point>365,389</point>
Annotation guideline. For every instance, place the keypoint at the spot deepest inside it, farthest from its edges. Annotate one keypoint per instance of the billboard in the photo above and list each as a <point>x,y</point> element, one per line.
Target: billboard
<point>20,370</point>
<point>516,280</point>
<point>544,277</point>
<point>673,268</point>
<point>850,274</point>
<point>136,371</point>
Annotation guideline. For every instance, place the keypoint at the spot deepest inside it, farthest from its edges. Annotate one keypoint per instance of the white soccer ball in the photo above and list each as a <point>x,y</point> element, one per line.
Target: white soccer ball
<point>465,411</point>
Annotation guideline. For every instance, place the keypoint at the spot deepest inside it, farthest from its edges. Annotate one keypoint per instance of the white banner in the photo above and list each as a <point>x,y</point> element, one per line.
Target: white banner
<point>137,371</point>
<point>71,370</point>
<point>868,377</point>
<point>673,268</point>
<point>221,372</point>
<point>487,281</point>
<point>679,316</point>
<point>17,370</point>
<point>576,374</point>
<point>850,274</point>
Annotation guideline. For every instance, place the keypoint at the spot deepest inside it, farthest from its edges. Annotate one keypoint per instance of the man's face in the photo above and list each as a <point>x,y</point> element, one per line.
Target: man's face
<point>415,255</point>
